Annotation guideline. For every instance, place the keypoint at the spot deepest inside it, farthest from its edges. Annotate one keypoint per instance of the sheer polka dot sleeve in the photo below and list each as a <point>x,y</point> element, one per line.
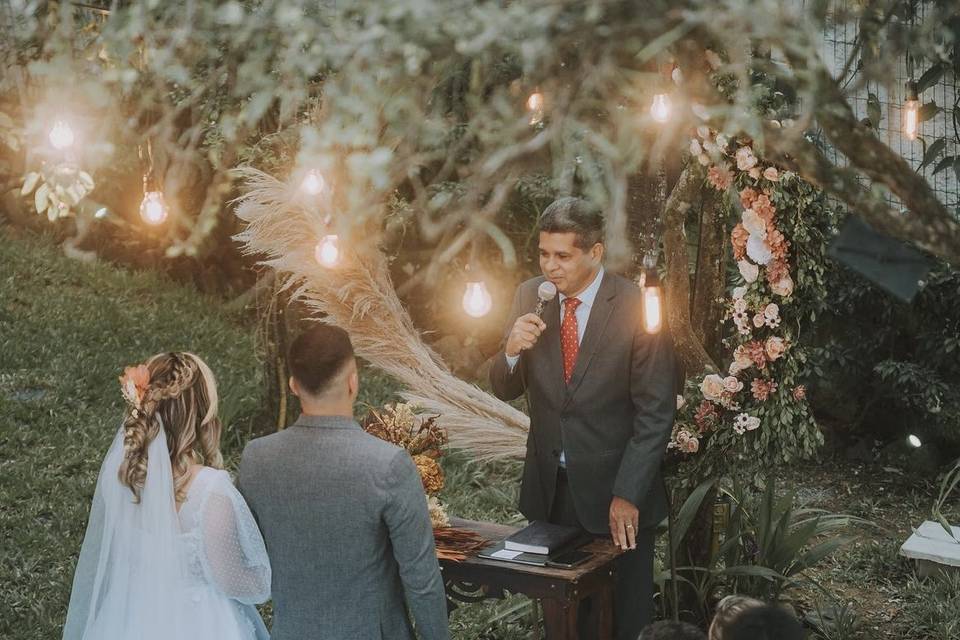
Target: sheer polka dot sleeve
<point>233,554</point>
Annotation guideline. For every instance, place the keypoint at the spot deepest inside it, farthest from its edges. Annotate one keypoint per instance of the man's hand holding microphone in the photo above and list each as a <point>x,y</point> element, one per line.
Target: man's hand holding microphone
<point>528,327</point>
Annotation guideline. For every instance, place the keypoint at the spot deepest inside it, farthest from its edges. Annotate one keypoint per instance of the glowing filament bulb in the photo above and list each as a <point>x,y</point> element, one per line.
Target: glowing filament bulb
<point>914,441</point>
<point>61,135</point>
<point>313,183</point>
<point>476,300</point>
<point>327,252</point>
<point>535,107</point>
<point>660,109</point>
<point>652,309</point>
<point>911,118</point>
<point>153,209</point>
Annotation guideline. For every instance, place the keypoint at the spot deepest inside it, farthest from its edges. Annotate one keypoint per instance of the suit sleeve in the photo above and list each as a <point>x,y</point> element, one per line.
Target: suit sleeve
<point>652,389</point>
<point>411,536</point>
<point>508,382</point>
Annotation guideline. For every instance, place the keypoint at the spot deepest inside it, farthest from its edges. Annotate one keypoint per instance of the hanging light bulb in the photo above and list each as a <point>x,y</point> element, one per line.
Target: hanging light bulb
<point>911,112</point>
<point>535,104</point>
<point>652,301</point>
<point>914,441</point>
<point>327,252</point>
<point>476,300</point>
<point>313,183</point>
<point>660,108</point>
<point>153,209</point>
<point>61,135</point>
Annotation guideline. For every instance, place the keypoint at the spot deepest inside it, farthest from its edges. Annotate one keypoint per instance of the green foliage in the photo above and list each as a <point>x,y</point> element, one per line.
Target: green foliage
<point>932,607</point>
<point>767,546</point>
<point>889,366</point>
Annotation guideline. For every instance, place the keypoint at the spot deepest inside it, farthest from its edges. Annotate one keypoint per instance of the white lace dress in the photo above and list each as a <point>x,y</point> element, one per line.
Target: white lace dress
<point>226,561</point>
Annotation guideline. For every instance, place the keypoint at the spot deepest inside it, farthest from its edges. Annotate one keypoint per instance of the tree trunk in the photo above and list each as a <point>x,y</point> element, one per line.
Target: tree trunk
<point>706,309</point>
<point>693,357</point>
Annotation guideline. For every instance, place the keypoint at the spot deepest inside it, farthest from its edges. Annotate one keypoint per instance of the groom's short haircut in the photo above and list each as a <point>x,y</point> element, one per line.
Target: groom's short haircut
<point>318,355</point>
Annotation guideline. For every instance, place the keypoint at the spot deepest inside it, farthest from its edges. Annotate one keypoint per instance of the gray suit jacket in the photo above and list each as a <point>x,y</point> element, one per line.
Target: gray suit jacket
<point>613,421</point>
<point>345,522</point>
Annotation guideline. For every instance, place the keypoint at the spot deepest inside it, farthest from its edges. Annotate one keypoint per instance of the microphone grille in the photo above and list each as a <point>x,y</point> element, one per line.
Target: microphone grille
<point>547,291</point>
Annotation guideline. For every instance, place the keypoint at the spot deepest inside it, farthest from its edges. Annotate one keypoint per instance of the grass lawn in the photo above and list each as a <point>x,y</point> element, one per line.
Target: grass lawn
<point>67,329</point>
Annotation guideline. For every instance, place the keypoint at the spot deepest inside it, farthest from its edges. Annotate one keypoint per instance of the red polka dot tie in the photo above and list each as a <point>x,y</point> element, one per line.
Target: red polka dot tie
<point>569,337</point>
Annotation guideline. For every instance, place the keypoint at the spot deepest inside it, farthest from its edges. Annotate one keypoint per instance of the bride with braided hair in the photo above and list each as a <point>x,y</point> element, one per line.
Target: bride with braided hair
<point>171,549</point>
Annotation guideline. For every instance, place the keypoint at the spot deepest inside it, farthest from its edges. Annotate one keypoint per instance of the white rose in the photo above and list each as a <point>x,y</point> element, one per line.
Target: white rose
<point>680,402</point>
<point>722,141</point>
<point>748,270</point>
<point>739,305</point>
<point>703,159</point>
<point>695,148</point>
<point>739,292</point>
<point>710,147</point>
<point>771,311</point>
<point>759,320</point>
<point>736,367</point>
<point>758,250</point>
<point>753,422</point>
<point>703,131</point>
<point>753,223</point>
<point>712,387</point>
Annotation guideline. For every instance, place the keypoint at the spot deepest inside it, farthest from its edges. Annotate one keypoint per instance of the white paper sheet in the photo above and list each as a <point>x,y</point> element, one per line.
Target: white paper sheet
<point>505,554</point>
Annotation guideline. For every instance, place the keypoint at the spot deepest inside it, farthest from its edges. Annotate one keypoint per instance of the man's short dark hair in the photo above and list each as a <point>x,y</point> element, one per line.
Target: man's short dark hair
<point>670,630</point>
<point>573,215</point>
<point>317,356</point>
<point>764,623</point>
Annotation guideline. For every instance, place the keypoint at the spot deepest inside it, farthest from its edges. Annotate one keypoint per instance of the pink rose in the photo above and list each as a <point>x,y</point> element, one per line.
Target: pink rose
<point>745,159</point>
<point>759,320</point>
<point>720,178</point>
<point>692,445</point>
<point>799,392</point>
<point>771,174</point>
<point>732,385</point>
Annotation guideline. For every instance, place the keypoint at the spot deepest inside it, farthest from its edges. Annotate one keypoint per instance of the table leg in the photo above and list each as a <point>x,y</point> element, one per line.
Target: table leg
<point>560,619</point>
<point>603,601</point>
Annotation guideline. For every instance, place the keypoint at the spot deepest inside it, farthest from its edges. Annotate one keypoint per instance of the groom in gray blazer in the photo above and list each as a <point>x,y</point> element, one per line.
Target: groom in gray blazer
<point>343,514</point>
<point>601,395</point>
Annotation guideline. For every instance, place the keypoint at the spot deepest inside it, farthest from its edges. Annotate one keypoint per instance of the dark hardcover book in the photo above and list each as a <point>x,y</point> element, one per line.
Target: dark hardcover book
<point>542,538</point>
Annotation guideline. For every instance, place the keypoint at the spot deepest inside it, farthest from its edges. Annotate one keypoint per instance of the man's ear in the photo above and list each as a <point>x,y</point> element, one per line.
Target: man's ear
<point>596,252</point>
<point>353,383</point>
<point>294,388</point>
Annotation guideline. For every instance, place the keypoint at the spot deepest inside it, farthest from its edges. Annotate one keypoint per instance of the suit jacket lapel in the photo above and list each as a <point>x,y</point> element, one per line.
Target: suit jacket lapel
<point>597,323</point>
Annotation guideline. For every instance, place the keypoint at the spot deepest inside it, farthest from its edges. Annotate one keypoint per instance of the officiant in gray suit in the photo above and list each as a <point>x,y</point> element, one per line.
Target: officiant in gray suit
<point>602,399</point>
<point>343,513</point>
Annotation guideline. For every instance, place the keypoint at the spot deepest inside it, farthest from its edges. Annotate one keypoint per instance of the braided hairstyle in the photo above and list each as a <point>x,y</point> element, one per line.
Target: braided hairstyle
<point>182,396</point>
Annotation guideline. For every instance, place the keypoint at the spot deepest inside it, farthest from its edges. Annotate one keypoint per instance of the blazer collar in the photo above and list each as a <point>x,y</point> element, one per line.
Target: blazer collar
<point>330,422</point>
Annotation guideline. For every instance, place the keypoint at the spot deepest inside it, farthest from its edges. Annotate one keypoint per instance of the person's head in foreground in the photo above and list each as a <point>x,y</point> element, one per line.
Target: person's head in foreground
<point>727,609</point>
<point>175,391</point>
<point>571,244</point>
<point>670,630</point>
<point>323,371</point>
<point>768,622</point>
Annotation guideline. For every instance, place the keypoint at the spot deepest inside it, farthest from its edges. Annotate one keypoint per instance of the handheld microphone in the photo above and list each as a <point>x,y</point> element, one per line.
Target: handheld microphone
<point>546,292</point>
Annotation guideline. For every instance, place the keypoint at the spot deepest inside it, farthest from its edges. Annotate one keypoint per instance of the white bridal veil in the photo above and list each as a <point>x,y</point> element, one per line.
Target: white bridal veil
<point>130,574</point>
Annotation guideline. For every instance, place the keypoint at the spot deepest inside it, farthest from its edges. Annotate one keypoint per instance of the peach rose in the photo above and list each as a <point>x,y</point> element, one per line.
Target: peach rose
<point>712,387</point>
<point>759,320</point>
<point>720,178</point>
<point>774,347</point>
<point>783,286</point>
<point>732,385</point>
<point>754,173</point>
<point>771,174</point>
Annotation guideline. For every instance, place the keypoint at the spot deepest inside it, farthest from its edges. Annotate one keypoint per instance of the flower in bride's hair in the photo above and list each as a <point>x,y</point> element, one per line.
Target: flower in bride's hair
<point>134,383</point>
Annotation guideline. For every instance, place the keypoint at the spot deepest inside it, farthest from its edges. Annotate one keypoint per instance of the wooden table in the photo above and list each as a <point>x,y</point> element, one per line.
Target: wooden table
<point>559,590</point>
